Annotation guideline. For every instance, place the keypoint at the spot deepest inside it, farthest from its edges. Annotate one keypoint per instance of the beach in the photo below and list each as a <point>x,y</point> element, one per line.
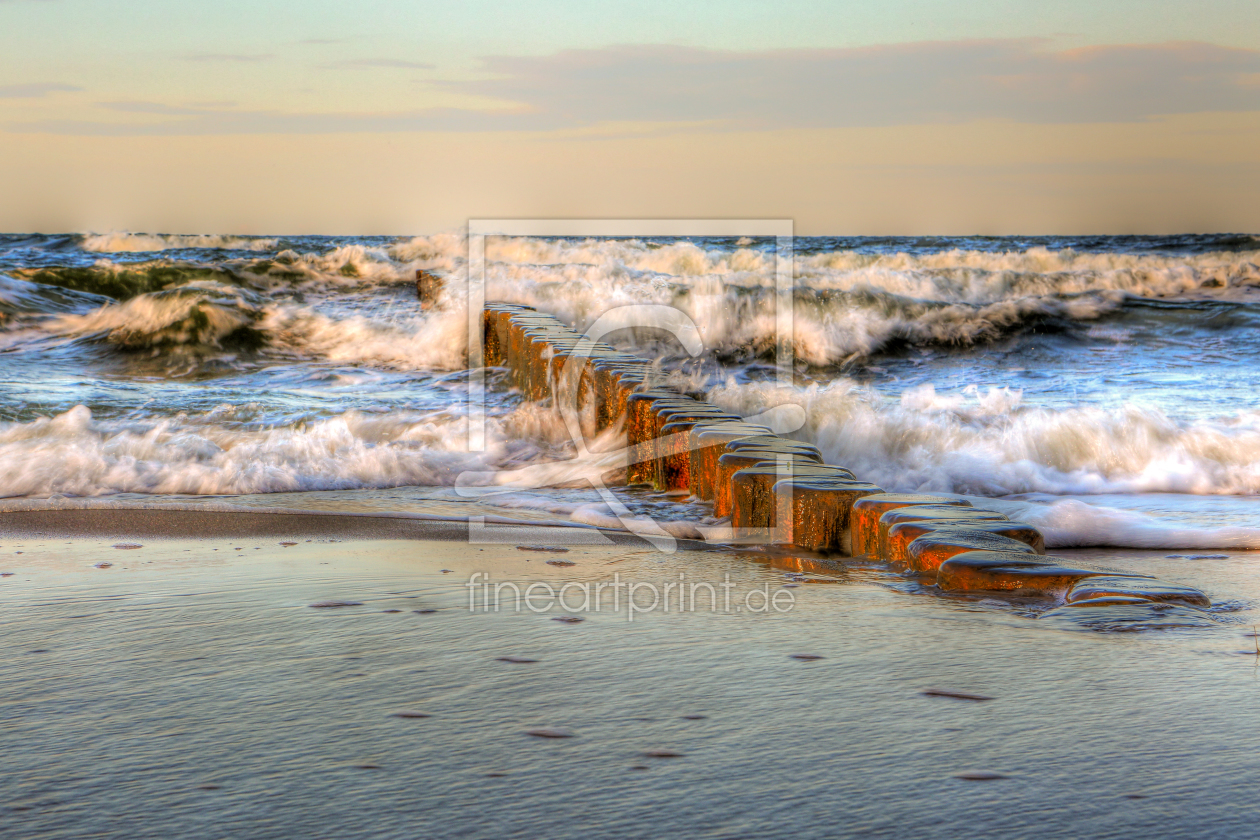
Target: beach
<point>714,421</point>
<point>191,688</point>
<point>256,580</point>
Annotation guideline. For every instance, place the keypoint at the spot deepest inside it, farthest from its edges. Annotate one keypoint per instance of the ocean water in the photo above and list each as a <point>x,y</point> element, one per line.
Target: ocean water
<point>1102,388</point>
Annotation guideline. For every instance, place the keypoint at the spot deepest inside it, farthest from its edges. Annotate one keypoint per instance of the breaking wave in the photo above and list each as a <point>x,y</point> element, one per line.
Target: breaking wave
<point>986,443</point>
<point>117,242</point>
<point>201,314</point>
<point>848,304</point>
<point>347,267</point>
<point>223,452</point>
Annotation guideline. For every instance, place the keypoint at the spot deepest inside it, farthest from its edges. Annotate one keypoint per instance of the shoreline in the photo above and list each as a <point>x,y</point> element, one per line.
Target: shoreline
<point>87,518</point>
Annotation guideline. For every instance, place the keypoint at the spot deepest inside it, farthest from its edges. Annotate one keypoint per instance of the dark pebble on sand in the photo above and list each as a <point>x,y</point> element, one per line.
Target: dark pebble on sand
<point>979,776</point>
<point>808,657</point>
<point>327,605</point>
<point>424,612</point>
<point>957,695</point>
<point>561,563</point>
<point>556,549</point>
<point>568,619</point>
<point>521,660</point>
<point>549,732</point>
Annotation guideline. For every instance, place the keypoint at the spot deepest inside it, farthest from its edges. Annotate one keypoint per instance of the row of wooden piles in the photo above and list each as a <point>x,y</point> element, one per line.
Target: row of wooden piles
<point>778,490</point>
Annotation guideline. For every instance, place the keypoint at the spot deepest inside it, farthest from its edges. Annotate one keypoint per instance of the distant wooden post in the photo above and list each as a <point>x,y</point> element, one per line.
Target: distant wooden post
<point>428,288</point>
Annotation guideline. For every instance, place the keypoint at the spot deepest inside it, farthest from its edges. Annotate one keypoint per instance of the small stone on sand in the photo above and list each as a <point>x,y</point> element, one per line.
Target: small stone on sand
<point>128,546</point>
<point>103,565</point>
<point>979,776</point>
<point>521,660</point>
<point>6,574</point>
<point>568,619</point>
<point>424,612</point>
<point>327,605</point>
<point>411,714</point>
<point>448,571</point>
<point>808,657</point>
<point>662,754</point>
<point>552,548</point>
<point>549,732</point>
<point>957,695</point>
<point>561,563</point>
<point>288,543</point>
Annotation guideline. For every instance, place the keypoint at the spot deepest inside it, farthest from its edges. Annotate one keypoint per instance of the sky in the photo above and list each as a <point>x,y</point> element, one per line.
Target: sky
<point>404,117</point>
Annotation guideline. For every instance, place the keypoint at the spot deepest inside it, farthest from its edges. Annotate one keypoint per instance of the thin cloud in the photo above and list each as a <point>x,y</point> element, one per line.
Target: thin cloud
<point>189,122</point>
<point>157,108</point>
<point>931,82</point>
<point>688,89</point>
<point>322,42</point>
<point>34,91</point>
<point>230,57</point>
<point>395,63</point>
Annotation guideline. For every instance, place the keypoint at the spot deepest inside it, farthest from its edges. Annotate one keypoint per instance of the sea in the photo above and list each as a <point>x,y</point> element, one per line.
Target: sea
<point>1102,388</point>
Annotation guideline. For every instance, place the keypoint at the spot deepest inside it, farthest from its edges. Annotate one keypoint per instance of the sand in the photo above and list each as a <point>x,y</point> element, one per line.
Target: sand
<point>190,689</point>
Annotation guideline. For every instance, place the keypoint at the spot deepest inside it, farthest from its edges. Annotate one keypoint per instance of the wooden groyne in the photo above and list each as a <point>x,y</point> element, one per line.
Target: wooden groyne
<point>780,491</point>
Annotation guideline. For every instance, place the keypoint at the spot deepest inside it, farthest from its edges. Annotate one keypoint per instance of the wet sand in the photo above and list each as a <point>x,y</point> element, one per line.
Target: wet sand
<point>190,689</point>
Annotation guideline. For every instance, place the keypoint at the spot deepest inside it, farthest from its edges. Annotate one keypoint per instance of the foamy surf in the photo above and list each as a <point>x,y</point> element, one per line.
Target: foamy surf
<point>1074,523</point>
<point>126,242</point>
<point>987,442</point>
<point>206,364</point>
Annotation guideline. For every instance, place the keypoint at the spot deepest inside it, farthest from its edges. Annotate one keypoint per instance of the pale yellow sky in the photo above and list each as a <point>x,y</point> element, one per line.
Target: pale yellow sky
<point>1190,173</point>
<point>902,117</point>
